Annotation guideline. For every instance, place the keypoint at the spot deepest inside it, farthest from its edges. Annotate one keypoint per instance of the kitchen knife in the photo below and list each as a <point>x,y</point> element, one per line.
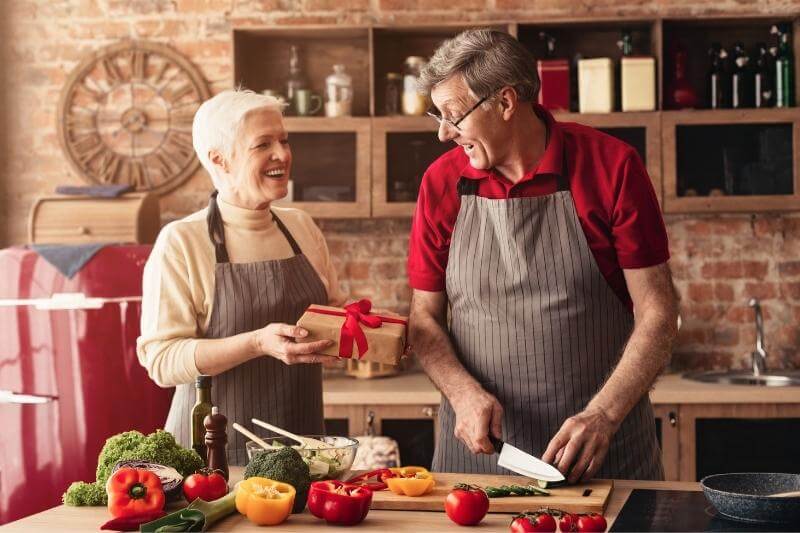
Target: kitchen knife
<point>524,463</point>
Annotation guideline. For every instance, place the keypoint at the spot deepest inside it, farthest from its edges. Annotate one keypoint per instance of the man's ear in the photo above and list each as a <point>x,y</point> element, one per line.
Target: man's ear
<point>218,160</point>
<point>509,101</point>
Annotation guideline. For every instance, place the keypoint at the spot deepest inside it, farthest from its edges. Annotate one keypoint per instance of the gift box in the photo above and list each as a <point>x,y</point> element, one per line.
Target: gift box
<point>357,333</point>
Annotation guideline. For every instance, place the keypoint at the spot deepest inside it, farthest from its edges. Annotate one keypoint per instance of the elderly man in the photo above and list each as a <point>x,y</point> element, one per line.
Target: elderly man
<point>224,286</point>
<point>546,241</point>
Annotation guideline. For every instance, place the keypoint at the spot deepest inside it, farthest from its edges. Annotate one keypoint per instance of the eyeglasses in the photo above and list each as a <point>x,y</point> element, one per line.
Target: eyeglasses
<point>439,119</point>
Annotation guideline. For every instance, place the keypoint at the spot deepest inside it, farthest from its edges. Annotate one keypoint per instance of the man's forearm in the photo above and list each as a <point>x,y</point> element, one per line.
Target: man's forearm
<point>646,354</point>
<point>432,347</point>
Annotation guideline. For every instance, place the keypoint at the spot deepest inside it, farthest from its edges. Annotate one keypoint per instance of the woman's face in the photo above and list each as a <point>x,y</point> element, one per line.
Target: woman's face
<point>259,167</point>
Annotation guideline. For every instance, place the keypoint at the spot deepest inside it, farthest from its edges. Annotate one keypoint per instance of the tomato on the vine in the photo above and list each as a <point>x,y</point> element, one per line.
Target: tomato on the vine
<point>533,521</point>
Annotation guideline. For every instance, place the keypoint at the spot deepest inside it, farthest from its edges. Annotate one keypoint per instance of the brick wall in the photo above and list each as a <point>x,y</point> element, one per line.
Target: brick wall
<point>719,262</point>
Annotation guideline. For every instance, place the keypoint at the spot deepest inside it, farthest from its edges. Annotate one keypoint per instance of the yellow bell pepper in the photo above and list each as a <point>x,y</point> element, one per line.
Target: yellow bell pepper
<point>264,501</point>
<point>416,483</point>
<point>408,471</point>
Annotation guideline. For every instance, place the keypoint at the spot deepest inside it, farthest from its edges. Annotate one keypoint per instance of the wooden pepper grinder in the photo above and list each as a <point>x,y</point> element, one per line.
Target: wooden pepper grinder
<point>216,439</point>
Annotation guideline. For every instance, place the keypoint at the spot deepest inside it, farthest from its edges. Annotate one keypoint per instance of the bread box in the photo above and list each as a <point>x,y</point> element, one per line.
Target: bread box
<point>64,219</point>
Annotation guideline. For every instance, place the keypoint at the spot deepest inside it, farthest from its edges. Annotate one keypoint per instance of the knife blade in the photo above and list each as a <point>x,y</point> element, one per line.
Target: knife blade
<point>524,463</point>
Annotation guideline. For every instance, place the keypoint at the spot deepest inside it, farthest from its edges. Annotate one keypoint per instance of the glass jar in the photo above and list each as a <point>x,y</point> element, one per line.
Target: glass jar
<point>394,83</point>
<point>414,102</point>
<point>338,93</point>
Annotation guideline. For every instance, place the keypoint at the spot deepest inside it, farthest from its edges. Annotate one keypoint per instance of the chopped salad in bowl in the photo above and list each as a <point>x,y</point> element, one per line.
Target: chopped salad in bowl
<point>331,462</point>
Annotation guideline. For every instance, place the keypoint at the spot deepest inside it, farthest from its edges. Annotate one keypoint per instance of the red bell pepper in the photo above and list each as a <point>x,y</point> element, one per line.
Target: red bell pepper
<point>339,503</point>
<point>363,480</point>
<point>134,491</point>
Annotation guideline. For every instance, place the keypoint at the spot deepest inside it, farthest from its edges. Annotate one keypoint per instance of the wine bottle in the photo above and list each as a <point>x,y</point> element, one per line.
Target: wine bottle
<point>784,68</point>
<point>763,83</point>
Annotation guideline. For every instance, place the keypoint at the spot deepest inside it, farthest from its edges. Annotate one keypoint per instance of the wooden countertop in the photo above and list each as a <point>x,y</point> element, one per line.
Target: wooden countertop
<point>63,518</point>
<point>416,389</point>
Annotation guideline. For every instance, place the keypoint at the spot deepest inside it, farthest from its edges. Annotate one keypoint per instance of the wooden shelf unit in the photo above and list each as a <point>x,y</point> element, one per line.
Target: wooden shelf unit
<point>671,120</point>
<point>370,51</point>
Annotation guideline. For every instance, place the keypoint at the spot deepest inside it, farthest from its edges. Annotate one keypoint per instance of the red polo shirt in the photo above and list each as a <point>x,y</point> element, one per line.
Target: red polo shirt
<point>614,199</point>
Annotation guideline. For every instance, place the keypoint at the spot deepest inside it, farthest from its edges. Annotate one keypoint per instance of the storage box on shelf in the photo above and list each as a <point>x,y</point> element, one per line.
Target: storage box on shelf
<point>731,160</point>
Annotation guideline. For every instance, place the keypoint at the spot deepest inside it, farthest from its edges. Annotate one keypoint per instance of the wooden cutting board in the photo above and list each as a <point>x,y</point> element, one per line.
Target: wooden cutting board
<point>568,498</point>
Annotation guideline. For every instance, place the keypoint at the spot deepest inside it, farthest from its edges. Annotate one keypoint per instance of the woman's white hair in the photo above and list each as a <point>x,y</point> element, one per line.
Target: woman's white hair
<point>217,122</point>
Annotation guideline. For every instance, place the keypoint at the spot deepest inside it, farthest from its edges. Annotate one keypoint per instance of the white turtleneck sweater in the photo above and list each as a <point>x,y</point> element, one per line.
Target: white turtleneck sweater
<point>178,284</point>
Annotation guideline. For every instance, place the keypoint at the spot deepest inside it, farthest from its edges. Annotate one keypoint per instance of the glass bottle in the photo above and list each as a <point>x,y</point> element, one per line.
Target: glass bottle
<point>201,409</point>
<point>414,102</point>
<point>741,82</point>
<point>763,84</point>
<point>784,68</point>
<point>717,86</point>
<point>338,93</point>
<point>680,93</point>
<point>394,82</point>
<point>296,80</point>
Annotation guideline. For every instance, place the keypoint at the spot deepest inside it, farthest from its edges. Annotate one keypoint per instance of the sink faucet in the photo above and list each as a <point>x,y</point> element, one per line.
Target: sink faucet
<point>759,354</point>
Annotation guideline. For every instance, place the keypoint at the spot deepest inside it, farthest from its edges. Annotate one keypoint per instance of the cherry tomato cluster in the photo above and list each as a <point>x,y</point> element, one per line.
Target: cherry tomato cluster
<point>546,520</point>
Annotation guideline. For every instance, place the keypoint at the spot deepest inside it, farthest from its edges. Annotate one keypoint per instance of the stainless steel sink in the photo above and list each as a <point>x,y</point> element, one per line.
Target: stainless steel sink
<point>789,378</point>
<point>758,375</point>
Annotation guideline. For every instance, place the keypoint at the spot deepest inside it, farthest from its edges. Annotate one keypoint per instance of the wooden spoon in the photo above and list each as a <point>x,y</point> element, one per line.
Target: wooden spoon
<point>307,442</point>
<point>791,494</point>
<point>252,436</point>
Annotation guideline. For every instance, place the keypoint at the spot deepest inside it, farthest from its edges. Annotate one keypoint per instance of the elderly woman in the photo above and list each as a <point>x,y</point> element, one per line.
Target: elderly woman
<point>224,286</point>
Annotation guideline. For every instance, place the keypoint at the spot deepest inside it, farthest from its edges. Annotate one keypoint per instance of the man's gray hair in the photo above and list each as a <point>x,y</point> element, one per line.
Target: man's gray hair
<point>488,60</point>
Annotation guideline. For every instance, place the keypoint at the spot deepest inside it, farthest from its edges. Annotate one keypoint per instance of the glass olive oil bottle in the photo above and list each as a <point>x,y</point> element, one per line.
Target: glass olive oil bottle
<point>201,409</point>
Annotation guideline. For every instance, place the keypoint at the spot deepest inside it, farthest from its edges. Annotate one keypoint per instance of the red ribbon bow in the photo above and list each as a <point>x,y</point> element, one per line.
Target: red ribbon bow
<point>355,314</point>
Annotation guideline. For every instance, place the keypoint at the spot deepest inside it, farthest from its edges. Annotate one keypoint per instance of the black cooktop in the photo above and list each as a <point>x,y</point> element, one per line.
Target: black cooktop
<point>678,510</point>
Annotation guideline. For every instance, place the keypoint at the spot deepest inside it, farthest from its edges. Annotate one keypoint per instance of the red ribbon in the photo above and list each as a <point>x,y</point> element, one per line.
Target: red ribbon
<point>355,314</point>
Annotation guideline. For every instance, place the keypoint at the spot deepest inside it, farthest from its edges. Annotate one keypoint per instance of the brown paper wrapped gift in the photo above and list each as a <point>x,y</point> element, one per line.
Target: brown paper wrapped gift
<point>356,332</point>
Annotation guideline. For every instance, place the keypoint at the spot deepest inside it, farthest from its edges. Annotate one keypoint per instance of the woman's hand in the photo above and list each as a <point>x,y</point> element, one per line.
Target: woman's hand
<point>280,341</point>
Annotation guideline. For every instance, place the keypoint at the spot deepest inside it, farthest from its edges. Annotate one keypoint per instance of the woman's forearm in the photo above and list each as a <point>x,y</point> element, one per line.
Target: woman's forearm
<point>215,356</point>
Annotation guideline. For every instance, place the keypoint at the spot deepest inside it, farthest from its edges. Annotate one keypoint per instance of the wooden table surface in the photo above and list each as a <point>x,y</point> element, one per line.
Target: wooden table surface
<point>65,518</point>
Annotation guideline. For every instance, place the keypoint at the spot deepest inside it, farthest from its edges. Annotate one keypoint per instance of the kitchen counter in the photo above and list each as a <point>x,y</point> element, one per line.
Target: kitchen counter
<point>63,518</point>
<point>417,389</point>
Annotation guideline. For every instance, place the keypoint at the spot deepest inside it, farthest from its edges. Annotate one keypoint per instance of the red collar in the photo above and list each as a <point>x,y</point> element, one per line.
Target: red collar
<point>551,161</point>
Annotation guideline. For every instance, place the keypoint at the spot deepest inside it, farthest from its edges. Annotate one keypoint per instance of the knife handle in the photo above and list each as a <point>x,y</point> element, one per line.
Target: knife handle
<point>497,443</point>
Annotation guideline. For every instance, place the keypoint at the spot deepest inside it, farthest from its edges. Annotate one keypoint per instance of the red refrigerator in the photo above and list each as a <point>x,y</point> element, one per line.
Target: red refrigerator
<point>69,376</point>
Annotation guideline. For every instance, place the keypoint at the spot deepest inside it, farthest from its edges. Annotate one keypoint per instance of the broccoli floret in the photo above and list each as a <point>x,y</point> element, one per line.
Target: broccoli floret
<point>81,493</point>
<point>284,465</point>
<point>159,447</point>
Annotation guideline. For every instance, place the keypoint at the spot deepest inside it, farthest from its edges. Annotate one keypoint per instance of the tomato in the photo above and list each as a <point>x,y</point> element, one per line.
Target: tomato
<point>538,521</point>
<point>591,523</point>
<point>466,505</point>
<point>568,523</point>
<point>208,486</point>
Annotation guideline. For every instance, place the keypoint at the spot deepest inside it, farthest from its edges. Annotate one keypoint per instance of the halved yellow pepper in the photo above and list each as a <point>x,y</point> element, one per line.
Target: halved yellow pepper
<point>418,483</point>
<point>408,471</point>
<point>264,501</point>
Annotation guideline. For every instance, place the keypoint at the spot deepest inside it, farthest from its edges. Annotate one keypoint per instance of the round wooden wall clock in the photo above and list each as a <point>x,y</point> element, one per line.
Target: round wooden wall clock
<point>125,116</point>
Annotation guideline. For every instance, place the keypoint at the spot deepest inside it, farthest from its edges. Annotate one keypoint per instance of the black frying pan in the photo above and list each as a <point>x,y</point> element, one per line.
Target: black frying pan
<point>746,496</point>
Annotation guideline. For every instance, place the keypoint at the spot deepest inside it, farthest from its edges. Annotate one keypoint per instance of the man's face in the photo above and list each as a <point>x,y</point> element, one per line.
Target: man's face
<point>261,161</point>
<point>480,134</point>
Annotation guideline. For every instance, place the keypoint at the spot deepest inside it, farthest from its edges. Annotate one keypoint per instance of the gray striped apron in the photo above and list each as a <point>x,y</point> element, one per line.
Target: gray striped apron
<point>248,296</point>
<point>536,323</point>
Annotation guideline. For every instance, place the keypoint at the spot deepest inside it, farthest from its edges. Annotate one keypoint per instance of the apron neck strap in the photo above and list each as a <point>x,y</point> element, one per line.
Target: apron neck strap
<point>562,179</point>
<point>216,231</point>
<point>282,227</point>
